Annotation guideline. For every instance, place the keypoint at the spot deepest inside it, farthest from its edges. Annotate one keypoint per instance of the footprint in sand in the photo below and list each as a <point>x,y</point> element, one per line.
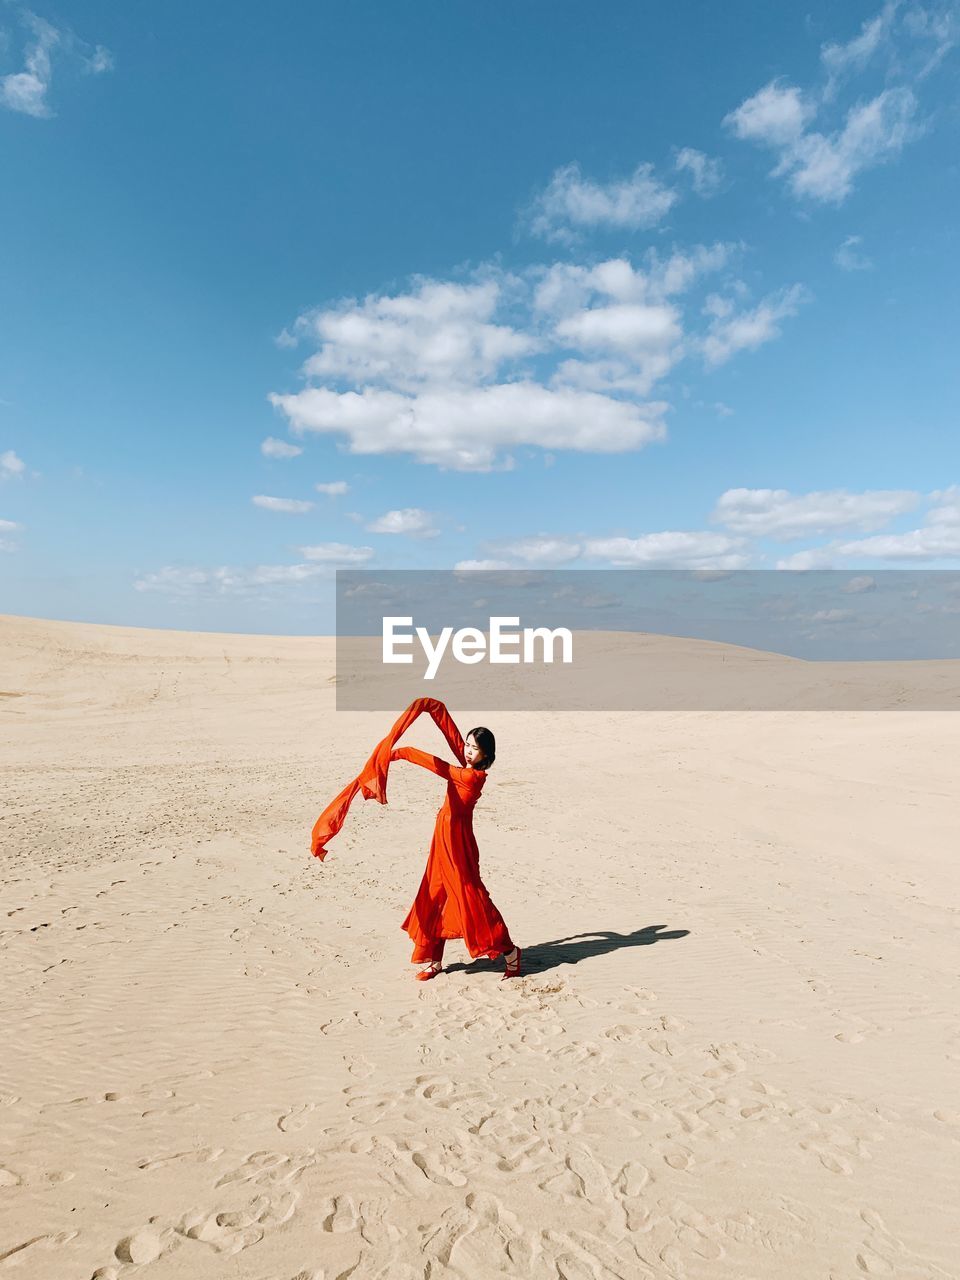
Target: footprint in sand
<point>141,1247</point>
<point>296,1117</point>
<point>835,1163</point>
<point>678,1158</point>
<point>471,1236</point>
<point>268,1211</point>
<point>581,1255</point>
<point>255,1166</point>
<point>434,1088</point>
<point>431,1165</point>
<point>222,1239</point>
<point>623,1033</point>
<point>632,1178</point>
<point>23,1250</point>
<point>340,1214</point>
<point>438,1244</point>
<point>520,1159</point>
<point>761,1086</point>
<point>203,1155</point>
<point>594,1183</point>
<point>755,1110</point>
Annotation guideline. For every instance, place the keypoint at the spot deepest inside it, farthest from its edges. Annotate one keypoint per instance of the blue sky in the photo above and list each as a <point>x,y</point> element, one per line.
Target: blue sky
<point>518,285</point>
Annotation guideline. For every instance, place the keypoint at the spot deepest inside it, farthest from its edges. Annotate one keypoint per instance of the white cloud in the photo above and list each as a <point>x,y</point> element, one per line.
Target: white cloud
<point>482,566</point>
<point>541,549</point>
<point>99,61</point>
<point>332,488</point>
<point>570,203</point>
<point>838,59</point>
<point>947,508</point>
<point>622,317</point>
<point>731,331</point>
<point>776,115</point>
<point>635,377</point>
<point>8,526</point>
<point>27,91</point>
<point>11,465</point>
<point>706,173</point>
<point>751,514</point>
<point>779,514</point>
<point>936,539</point>
<point>274,448</point>
<point>823,165</point>
<point>934,33</point>
<point>292,506</point>
<point>465,429</point>
<point>671,548</point>
<point>565,288</point>
<point>409,520</point>
<point>439,334</point>
<point>928,543</point>
<point>932,542</point>
<point>621,327</point>
<point>227,580</point>
<point>849,257</point>
<point>337,553</point>
<point>444,373</point>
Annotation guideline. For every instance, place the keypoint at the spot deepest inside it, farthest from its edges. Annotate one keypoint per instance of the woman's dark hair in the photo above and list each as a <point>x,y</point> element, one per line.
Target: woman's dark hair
<point>487,744</point>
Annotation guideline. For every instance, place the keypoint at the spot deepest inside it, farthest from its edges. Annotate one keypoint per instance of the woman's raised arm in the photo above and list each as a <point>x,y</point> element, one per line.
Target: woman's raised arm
<point>434,763</point>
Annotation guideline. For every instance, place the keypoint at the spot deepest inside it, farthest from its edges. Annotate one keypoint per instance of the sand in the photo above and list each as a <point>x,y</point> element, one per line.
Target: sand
<point>734,1055</point>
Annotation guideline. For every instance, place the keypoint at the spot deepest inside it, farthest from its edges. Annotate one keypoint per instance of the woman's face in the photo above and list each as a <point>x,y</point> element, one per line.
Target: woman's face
<point>472,753</point>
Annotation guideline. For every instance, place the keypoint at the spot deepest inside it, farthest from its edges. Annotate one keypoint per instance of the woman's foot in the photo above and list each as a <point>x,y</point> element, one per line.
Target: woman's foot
<point>511,960</point>
<point>429,971</point>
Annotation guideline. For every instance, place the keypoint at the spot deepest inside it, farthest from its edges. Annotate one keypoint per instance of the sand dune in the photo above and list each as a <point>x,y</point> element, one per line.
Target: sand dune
<point>735,1054</point>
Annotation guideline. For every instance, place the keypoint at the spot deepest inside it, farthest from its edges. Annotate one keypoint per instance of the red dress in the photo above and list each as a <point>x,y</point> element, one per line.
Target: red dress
<point>452,901</point>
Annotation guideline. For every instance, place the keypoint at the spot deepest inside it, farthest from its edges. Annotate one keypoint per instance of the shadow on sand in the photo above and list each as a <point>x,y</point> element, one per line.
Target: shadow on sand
<point>542,956</point>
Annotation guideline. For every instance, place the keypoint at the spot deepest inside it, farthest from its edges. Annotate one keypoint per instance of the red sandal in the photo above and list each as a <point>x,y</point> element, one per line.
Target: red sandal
<point>513,970</point>
<point>424,975</point>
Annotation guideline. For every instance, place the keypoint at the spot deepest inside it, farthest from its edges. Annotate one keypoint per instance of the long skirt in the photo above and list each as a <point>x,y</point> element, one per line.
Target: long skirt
<point>452,901</point>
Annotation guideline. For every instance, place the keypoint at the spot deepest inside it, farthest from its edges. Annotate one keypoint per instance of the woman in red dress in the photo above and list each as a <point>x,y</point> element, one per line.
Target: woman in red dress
<point>452,901</point>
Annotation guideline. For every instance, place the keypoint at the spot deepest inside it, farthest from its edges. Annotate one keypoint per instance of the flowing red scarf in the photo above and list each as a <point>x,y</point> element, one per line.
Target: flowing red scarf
<point>371,781</point>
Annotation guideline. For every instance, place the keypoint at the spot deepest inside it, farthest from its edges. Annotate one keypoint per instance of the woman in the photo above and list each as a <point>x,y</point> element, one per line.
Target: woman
<point>452,901</point>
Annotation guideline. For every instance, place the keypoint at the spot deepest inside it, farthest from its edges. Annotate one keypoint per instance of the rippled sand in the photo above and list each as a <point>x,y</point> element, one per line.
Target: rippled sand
<point>734,1056</point>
